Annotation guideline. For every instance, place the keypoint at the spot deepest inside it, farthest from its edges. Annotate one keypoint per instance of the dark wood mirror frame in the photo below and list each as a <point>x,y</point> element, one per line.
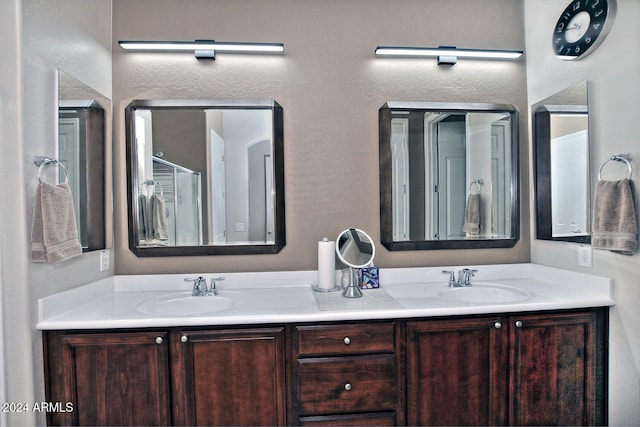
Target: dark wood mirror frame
<point>386,205</point>
<point>542,167</point>
<point>278,171</point>
<point>93,112</point>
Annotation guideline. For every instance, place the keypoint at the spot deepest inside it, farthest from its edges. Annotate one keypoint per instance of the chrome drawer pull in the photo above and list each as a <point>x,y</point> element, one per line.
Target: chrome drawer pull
<point>347,386</point>
<point>159,340</point>
<point>518,324</point>
<point>184,338</point>
<point>497,325</point>
<point>346,340</point>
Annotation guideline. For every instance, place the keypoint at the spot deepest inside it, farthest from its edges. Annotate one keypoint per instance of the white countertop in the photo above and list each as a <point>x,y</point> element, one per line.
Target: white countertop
<point>287,297</point>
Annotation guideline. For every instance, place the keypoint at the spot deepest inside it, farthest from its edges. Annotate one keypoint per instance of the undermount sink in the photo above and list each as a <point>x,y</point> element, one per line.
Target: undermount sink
<point>184,304</point>
<point>485,293</point>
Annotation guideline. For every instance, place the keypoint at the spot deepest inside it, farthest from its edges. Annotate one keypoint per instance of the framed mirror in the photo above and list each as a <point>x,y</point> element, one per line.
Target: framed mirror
<point>206,177</point>
<point>82,116</point>
<point>561,147</point>
<point>448,175</point>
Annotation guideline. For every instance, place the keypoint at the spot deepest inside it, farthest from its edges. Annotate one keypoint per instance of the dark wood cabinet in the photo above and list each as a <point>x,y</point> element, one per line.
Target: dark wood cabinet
<point>229,377</point>
<point>546,369</point>
<point>558,366</point>
<point>457,372</point>
<point>346,374</point>
<point>119,378</point>
<point>508,369</point>
<point>180,377</point>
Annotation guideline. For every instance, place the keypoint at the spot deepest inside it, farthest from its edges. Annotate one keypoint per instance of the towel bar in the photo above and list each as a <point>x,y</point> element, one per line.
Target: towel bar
<point>477,182</point>
<point>155,184</point>
<point>43,162</point>
<point>617,158</point>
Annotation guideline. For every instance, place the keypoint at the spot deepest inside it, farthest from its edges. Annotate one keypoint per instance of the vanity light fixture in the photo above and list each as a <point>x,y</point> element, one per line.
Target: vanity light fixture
<point>203,49</point>
<point>447,55</point>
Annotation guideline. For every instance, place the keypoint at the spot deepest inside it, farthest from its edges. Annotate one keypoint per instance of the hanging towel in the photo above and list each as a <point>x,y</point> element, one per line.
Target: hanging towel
<point>615,225</point>
<point>159,219</point>
<point>144,219</point>
<point>54,232</point>
<point>472,215</point>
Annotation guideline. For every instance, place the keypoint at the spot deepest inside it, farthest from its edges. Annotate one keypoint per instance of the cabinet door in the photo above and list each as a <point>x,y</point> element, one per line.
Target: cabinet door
<point>457,372</point>
<point>119,378</point>
<point>558,370</point>
<point>229,377</point>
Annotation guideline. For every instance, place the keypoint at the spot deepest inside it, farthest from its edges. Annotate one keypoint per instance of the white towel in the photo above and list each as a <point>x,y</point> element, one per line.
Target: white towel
<point>615,226</point>
<point>54,232</point>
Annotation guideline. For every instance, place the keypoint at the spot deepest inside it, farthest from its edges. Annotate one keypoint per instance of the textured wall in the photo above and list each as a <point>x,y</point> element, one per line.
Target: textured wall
<point>614,128</point>
<point>331,87</point>
<point>39,37</point>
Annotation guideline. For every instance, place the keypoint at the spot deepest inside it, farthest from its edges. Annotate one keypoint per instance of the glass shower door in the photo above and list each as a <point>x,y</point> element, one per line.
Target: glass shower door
<point>188,209</point>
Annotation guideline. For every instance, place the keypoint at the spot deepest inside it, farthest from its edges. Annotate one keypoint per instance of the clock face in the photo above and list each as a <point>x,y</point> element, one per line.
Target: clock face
<point>582,27</point>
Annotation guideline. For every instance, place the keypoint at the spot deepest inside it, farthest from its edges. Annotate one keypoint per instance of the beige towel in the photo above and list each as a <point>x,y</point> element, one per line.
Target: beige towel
<point>54,232</point>
<point>472,215</point>
<point>615,226</point>
<point>159,218</point>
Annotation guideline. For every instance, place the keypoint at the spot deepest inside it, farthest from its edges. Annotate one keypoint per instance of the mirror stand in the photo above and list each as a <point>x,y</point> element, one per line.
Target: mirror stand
<point>352,290</point>
<point>356,250</point>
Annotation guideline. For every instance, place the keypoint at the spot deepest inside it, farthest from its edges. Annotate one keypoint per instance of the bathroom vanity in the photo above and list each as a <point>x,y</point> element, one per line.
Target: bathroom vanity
<point>274,357</point>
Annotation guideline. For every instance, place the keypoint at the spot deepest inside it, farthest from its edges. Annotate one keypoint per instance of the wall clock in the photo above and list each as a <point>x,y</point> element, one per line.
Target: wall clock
<point>582,27</point>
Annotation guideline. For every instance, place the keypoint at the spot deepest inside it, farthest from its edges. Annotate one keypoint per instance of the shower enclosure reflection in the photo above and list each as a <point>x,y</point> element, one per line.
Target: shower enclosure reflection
<point>204,177</point>
<point>450,175</point>
<point>171,200</point>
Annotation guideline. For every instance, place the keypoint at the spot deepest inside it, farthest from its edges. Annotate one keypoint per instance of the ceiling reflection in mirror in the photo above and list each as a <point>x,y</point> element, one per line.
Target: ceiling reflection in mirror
<point>561,146</point>
<point>206,177</point>
<point>83,114</point>
<point>448,175</point>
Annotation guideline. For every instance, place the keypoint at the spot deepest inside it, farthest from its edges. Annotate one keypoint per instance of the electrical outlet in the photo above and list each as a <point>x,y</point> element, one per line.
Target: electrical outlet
<point>585,255</point>
<point>105,260</point>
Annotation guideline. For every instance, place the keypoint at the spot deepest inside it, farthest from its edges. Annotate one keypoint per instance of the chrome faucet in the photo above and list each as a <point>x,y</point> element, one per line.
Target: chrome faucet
<point>212,288</point>
<point>464,277</point>
<point>452,278</point>
<point>200,286</point>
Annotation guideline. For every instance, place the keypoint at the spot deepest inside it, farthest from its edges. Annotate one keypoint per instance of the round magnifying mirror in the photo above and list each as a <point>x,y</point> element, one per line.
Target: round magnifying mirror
<point>355,249</point>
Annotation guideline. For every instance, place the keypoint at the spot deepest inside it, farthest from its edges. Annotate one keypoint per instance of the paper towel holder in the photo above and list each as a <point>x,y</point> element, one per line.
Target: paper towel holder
<point>355,249</point>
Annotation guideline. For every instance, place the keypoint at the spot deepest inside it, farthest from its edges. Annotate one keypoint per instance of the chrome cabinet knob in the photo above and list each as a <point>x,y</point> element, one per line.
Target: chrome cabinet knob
<point>347,340</point>
<point>184,338</point>
<point>518,324</point>
<point>347,386</point>
<point>159,340</point>
<point>497,325</point>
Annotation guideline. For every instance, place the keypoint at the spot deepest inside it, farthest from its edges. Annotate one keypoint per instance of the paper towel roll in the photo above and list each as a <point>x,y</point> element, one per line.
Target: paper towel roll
<point>326,264</point>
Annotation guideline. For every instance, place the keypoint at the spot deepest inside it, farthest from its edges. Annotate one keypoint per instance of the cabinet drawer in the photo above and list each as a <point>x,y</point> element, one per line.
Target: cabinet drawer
<point>346,339</point>
<point>367,419</point>
<point>347,384</point>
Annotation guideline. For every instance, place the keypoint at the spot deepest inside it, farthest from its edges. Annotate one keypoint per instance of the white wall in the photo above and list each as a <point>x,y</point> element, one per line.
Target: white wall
<point>614,92</point>
<point>37,37</point>
<point>11,261</point>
